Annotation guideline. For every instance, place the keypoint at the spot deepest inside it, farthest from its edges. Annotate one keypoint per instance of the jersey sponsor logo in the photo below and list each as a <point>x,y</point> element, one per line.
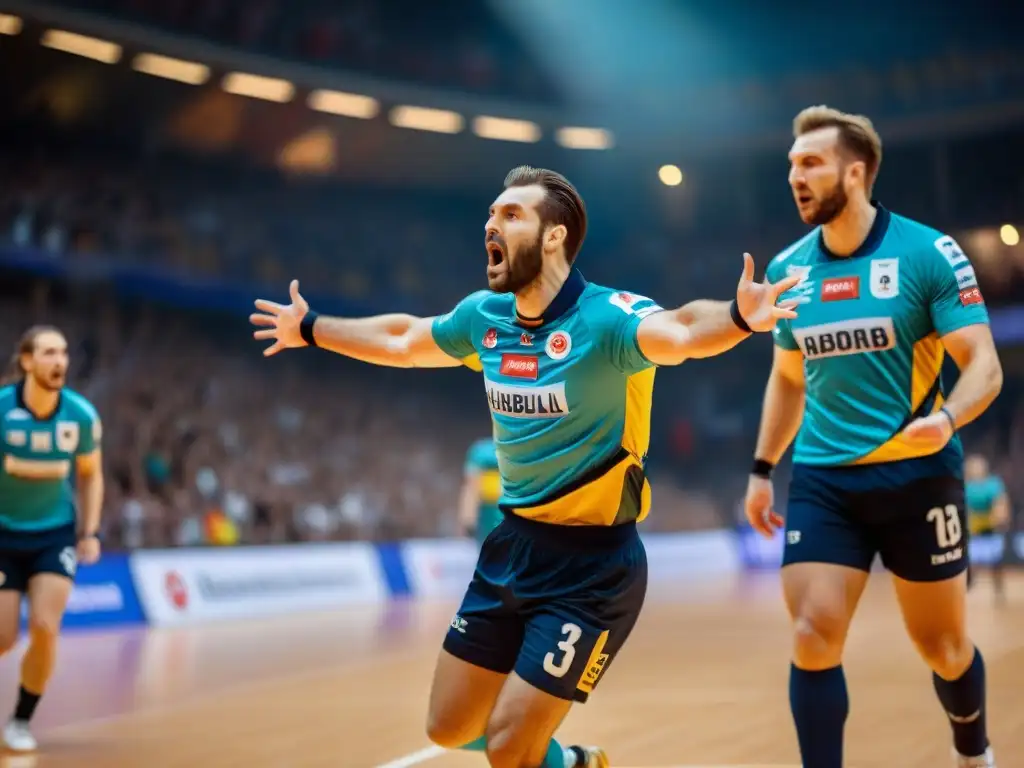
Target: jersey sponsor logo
<point>971,295</point>
<point>67,436</point>
<point>840,288</point>
<point>491,338</point>
<point>37,469</point>
<point>559,345</point>
<point>850,337</point>
<point>885,278</point>
<point>965,277</point>
<point>949,248</point>
<point>41,442</point>
<point>520,366</point>
<point>545,402</point>
<point>525,340</point>
<point>17,438</point>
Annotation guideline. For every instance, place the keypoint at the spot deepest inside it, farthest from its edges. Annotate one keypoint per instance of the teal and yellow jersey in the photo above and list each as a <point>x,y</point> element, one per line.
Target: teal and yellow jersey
<point>570,399</point>
<point>981,497</point>
<point>482,460</point>
<point>869,328</point>
<point>38,459</point>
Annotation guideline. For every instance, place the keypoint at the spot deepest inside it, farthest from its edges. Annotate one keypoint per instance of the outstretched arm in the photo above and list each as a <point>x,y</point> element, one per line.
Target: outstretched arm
<point>396,340</point>
<point>706,328</point>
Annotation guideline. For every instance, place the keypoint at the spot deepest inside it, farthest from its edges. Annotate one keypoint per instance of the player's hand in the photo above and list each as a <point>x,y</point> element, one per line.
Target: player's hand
<point>757,302</point>
<point>284,321</point>
<point>88,550</point>
<point>929,432</point>
<point>760,506</point>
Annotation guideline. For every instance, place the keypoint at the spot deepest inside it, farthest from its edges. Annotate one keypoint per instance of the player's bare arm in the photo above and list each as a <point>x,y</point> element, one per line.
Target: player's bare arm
<point>394,340</point>
<point>981,378</point>
<point>705,328</point>
<point>781,415</point>
<point>89,469</point>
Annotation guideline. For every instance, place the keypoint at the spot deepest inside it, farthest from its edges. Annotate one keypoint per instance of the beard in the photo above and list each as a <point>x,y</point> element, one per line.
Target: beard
<point>830,206</point>
<point>522,269</point>
<point>53,382</point>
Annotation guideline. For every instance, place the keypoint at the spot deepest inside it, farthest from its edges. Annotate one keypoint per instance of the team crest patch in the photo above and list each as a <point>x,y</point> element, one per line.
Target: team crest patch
<point>491,338</point>
<point>559,345</point>
<point>885,278</point>
<point>67,436</point>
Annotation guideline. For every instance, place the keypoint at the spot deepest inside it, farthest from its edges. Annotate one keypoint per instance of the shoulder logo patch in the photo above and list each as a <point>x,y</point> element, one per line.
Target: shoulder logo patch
<point>491,338</point>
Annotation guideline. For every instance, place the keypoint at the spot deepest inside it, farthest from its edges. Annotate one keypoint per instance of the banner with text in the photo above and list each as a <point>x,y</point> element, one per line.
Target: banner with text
<point>103,596</point>
<point>188,586</point>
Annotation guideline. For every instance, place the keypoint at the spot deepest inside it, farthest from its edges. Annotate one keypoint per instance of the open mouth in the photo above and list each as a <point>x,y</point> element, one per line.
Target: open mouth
<point>804,198</point>
<point>495,255</point>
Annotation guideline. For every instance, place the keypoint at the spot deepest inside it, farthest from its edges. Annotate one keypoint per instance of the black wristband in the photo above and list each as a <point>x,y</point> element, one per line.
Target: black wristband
<point>952,421</point>
<point>734,312</point>
<point>306,327</point>
<point>84,536</point>
<point>762,468</point>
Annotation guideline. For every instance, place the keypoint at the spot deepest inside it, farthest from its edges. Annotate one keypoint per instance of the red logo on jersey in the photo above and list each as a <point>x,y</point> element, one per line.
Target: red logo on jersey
<point>627,298</point>
<point>177,592</point>
<point>971,295</point>
<point>558,346</point>
<point>519,366</point>
<point>526,340</point>
<point>491,338</point>
<point>840,288</point>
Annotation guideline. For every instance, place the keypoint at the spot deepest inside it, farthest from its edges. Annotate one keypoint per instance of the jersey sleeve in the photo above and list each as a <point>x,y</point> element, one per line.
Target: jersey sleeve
<point>955,300</point>
<point>783,331</point>
<point>615,317</point>
<point>453,332</point>
<point>90,434</point>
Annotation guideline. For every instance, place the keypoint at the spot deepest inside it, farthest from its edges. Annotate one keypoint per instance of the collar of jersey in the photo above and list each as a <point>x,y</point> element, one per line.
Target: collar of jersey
<point>874,239</point>
<point>564,300</point>
<point>20,394</point>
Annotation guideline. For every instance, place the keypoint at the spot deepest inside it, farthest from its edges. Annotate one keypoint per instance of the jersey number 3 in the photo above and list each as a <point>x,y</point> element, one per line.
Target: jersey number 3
<point>568,648</point>
<point>948,530</point>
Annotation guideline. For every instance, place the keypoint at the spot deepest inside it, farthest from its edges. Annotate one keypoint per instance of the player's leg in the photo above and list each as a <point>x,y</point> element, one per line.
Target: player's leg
<point>479,651</point>
<point>927,555</point>
<point>50,581</point>
<point>582,614</point>
<point>826,562</point>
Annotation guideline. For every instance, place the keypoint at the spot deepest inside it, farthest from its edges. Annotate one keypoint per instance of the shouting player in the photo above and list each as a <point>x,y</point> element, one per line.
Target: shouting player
<point>481,489</point>
<point>988,512</point>
<point>49,439</point>
<point>877,464</point>
<point>568,375</point>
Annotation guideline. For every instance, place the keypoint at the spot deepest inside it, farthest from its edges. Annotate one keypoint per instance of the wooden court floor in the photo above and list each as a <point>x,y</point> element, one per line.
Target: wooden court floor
<point>702,682</point>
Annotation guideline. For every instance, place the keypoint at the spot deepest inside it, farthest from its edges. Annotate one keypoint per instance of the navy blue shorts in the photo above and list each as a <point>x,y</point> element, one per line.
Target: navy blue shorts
<point>24,554</point>
<point>552,603</point>
<point>918,528</point>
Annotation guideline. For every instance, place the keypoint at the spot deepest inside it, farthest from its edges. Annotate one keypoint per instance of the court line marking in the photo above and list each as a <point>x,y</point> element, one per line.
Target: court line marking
<point>415,758</point>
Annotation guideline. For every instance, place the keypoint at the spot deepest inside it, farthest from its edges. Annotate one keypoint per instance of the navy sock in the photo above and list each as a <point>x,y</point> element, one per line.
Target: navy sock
<point>820,704</point>
<point>964,702</point>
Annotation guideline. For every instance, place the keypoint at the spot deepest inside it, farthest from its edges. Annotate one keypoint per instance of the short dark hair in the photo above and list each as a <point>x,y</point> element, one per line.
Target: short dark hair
<point>857,135</point>
<point>562,203</point>
<point>26,346</point>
